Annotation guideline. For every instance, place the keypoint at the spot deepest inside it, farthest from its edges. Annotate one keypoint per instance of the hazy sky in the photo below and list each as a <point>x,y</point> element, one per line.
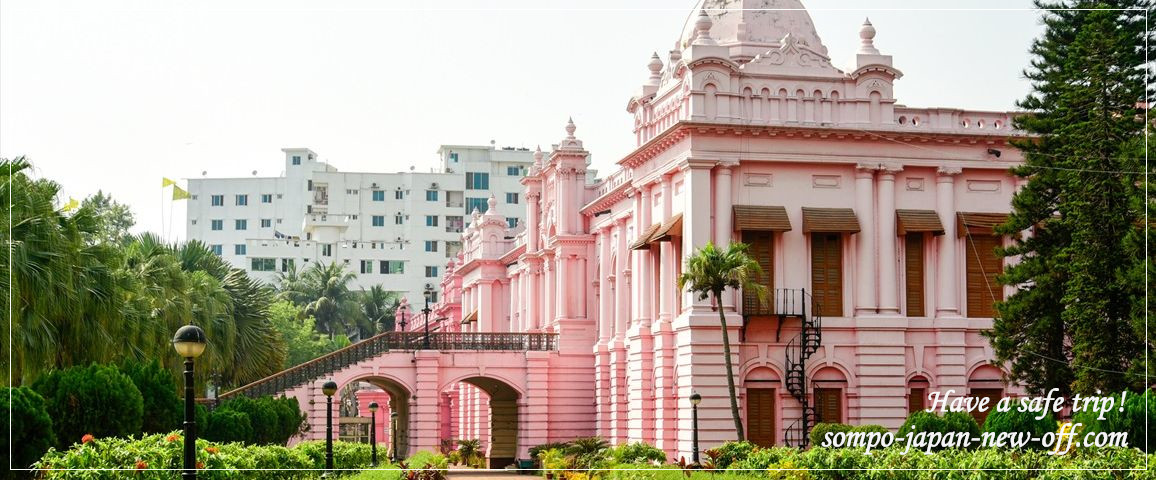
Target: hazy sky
<point>115,95</point>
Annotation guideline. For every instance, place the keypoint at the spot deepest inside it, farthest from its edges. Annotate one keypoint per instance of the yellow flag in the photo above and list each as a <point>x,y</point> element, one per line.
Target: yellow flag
<point>71,205</point>
<point>165,181</point>
<point>179,193</point>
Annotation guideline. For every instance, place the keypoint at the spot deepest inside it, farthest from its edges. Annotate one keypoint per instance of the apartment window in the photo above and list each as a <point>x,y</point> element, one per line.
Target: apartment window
<point>218,200</point>
<point>431,272</point>
<point>399,194</point>
<point>477,181</point>
<point>287,264</point>
<point>297,159</point>
<point>512,198</point>
<point>216,249</point>
<point>431,220</point>
<point>390,267</point>
<point>266,222</point>
<point>431,245</point>
<point>452,248</point>
<point>379,195</point>
<point>242,200</point>
<point>431,195</point>
<point>511,222</point>
<point>476,203</point>
<point>827,273</point>
<point>240,224</point>
<point>983,264</point>
<point>379,220</point>
<point>913,260</point>
<point>514,171</point>
<point>239,249</point>
<point>309,185</point>
<point>762,250</point>
<point>266,198</point>
<point>217,224</point>
<point>264,264</point>
<point>193,221</point>
<point>454,223</point>
<point>829,405</point>
<point>367,266</point>
<point>194,197</point>
<point>280,196</point>
<point>398,219</point>
<point>453,157</point>
<point>327,250</point>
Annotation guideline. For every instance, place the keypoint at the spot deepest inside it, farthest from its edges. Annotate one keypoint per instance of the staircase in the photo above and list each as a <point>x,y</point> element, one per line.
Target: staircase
<point>798,351</point>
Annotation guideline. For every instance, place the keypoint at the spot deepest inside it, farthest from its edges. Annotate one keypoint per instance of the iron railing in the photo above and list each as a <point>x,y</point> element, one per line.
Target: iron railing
<point>394,341</point>
<point>798,351</point>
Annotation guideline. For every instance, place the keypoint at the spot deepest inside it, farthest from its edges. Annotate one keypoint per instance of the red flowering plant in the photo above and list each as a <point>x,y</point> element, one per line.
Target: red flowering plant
<point>87,438</point>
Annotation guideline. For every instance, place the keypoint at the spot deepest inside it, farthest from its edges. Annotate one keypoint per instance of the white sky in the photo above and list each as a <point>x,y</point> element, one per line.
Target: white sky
<point>115,95</point>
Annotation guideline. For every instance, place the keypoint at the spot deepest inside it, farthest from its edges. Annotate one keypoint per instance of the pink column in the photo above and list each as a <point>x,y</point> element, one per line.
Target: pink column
<point>723,218</point>
<point>888,264</point>
<point>622,286</point>
<point>865,270</point>
<point>618,356</point>
<point>548,299</point>
<point>604,406</point>
<point>534,295</point>
<point>696,227</point>
<point>947,302</point>
<point>640,375</point>
<point>664,426</point>
<point>486,306</point>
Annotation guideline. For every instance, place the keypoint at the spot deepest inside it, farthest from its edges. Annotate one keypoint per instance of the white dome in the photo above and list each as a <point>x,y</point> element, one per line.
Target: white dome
<point>754,23</point>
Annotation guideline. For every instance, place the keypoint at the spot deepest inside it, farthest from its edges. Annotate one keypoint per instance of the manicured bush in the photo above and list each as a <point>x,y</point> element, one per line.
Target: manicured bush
<point>1015,421</point>
<point>31,427</point>
<point>162,409</point>
<point>869,428</point>
<point>961,422</point>
<point>729,452</point>
<point>820,430</point>
<point>922,421</point>
<point>94,399</point>
<point>636,453</point>
<point>262,416</point>
<point>1131,420</point>
<point>154,452</point>
<point>228,426</point>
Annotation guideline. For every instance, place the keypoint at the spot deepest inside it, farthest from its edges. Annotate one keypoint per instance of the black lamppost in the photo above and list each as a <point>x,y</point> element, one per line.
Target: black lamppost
<point>329,388</point>
<point>190,341</point>
<point>426,311</point>
<point>695,399</point>
<point>373,433</point>
<point>393,434</point>
<point>402,312</point>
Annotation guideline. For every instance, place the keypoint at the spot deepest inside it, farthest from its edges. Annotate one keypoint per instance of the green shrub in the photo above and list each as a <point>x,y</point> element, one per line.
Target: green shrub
<point>870,428</point>
<point>162,409</point>
<point>636,453</point>
<point>94,399</point>
<point>31,427</point>
<point>922,421</point>
<point>729,452</point>
<point>425,459</point>
<point>961,422</point>
<point>228,426</point>
<point>262,417</point>
<point>536,449</point>
<point>1131,420</point>
<point>1014,421</point>
<point>820,430</point>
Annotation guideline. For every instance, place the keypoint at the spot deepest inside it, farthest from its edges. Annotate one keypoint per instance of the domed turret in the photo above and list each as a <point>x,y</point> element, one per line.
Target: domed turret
<point>751,27</point>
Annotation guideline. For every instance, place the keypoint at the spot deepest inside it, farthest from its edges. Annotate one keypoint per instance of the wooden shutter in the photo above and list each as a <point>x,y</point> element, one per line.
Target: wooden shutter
<point>827,273</point>
<point>762,250</point>
<point>915,401</point>
<point>913,258</point>
<point>829,405</point>
<point>993,395</point>
<point>761,416</point>
<point>982,267</point>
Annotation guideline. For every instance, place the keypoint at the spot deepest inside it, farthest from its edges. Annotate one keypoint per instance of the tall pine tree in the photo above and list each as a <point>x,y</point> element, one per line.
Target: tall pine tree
<point>1070,324</point>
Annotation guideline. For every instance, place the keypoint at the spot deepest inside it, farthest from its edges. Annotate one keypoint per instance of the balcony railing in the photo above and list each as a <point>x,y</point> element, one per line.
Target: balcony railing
<point>385,342</point>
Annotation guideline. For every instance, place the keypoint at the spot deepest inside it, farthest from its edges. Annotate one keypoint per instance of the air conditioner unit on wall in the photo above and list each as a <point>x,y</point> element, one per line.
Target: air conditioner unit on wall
<point>434,186</point>
<point>429,285</point>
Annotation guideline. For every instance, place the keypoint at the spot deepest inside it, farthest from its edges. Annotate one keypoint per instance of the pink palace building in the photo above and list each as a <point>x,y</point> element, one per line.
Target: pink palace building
<point>872,221</point>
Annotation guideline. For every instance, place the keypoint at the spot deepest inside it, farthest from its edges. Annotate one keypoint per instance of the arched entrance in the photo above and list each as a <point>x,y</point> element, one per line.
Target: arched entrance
<point>393,431</point>
<point>486,409</point>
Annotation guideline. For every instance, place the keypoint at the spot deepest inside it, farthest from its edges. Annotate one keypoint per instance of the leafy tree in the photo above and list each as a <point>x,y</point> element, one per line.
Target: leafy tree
<point>709,272</point>
<point>31,427</point>
<point>1071,322</point>
<point>114,218</point>
<point>225,425</point>
<point>95,399</point>
<point>301,340</point>
<point>162,409</point>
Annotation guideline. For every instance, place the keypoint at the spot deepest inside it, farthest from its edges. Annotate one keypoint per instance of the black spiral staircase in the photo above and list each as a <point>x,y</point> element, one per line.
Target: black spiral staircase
<point>798,351</point>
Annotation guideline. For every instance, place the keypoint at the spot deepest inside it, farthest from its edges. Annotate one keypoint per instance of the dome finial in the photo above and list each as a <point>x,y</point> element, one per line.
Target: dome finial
<point>655,67</point>
<point>702,27</point>
<point>538,155</point>
<point>492,203</point>
<point>570,129</point>
<point>867,39</point>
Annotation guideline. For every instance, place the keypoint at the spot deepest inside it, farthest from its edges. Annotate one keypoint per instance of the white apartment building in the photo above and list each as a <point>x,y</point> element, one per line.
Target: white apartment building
<point>397,230</point>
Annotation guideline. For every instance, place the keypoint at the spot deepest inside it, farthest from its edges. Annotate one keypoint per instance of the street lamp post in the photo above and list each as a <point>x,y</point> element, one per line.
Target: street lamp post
<point>393,434</point>
<point>373,433</point>
<point>695,399</point>
<point>329,388</point>
<point>189,342</point>
<point>426,311</point>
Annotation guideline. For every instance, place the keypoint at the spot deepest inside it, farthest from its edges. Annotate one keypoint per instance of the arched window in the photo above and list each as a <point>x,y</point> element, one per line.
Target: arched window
<point>917,389</point>
<point>711,104</point>
<point>829,394</point>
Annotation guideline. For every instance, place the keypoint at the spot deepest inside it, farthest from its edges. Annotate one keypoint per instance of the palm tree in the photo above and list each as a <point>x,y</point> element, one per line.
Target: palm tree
<point>378,306</point>
<point>292,286</point>
<point>708,273</point>
<point>330,284</point>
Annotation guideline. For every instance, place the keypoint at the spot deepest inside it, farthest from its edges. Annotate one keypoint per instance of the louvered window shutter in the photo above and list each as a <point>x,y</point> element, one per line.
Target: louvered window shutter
<point>827,273</point>
<point>983,265</point>
<point>913,256</point>
<point>916,399</point>
<point>828,405</point>
<point>762,250</point>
